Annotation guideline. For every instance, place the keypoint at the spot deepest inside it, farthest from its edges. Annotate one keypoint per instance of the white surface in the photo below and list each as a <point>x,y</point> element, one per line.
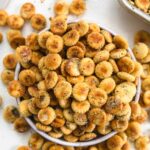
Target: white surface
<point>108,13</point>
<point>3,3</point>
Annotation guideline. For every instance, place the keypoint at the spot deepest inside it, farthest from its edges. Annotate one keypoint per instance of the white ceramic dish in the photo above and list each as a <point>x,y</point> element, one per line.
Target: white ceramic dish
<point>78,144</point>
<point>135,11</point>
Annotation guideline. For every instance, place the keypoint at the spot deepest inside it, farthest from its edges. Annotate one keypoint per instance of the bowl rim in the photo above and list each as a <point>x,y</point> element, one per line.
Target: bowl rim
<point>86,143</point>
<point>135,11</point>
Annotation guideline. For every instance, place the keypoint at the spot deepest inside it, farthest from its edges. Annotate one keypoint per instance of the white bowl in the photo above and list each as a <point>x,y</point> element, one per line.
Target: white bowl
<point>78,144</point>
<point>135,11</point>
